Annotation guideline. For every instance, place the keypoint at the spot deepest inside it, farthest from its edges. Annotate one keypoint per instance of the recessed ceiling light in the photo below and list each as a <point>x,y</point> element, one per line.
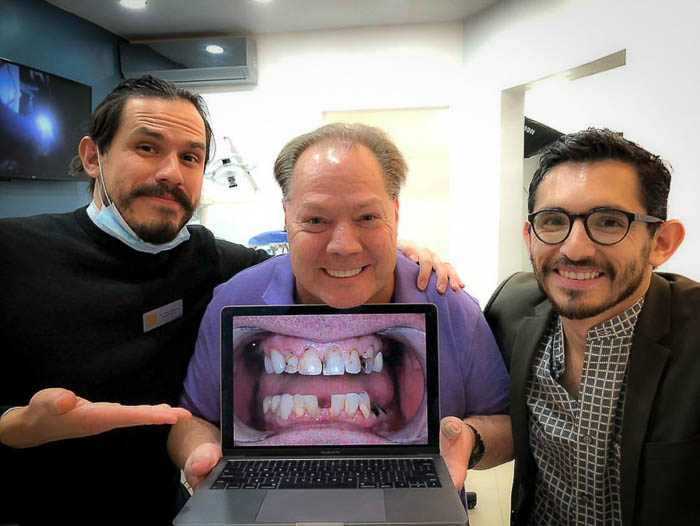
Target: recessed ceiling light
<point>133,4</point>
<point>214,49</point>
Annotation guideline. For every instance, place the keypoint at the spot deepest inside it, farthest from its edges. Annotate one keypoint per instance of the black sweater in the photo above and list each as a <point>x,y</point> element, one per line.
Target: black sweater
<point>71,312</point>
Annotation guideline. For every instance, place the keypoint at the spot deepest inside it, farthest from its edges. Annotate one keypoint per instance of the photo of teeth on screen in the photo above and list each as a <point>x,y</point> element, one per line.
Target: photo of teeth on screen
<point>350,379</point>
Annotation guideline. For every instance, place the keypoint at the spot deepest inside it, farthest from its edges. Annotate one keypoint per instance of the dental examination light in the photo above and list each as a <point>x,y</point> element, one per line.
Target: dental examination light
<point>225,170</point>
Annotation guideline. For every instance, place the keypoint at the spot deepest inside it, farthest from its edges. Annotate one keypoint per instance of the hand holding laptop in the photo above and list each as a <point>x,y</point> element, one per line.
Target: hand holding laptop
<point>455,448</point>
<point>57,414</point>
<point>200,462</point>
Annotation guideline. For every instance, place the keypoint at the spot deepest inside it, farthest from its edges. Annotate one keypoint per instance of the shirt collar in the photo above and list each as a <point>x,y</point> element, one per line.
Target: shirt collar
<point>621,325</point>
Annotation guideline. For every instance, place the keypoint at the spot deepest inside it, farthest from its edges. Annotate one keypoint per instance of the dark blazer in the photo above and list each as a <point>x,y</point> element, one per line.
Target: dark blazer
<point>660,448</point>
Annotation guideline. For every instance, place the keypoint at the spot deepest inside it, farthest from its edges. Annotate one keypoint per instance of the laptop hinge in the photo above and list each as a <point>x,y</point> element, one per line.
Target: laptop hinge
<point>320,524</point>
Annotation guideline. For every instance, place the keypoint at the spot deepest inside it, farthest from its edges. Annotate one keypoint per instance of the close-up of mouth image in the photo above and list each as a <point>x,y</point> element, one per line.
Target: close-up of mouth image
<point>349,379</point>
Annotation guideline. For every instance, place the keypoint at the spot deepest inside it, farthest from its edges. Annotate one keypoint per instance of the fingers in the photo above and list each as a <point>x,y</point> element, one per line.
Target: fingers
<point>442,273</point>
<point>423,274</point>
<point>200,462</point>
<point>455,281</point>
<point>57,414</point>
<point>53,401</point>
<point>65,402</point>
<point>105,416</point>
<point>455,447</point>
<point>426,261</point>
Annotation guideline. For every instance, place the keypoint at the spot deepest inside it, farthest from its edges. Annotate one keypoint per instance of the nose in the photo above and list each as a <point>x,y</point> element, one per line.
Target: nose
<point>169,170</point>
<point>344,240</point>
<point>578,245</point>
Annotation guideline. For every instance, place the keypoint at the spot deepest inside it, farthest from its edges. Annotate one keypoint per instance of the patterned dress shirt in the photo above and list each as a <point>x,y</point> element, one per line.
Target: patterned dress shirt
<point>576,442</point>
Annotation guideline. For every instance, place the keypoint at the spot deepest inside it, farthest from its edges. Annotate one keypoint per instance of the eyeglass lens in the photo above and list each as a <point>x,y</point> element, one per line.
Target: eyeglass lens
<point>603,226</point>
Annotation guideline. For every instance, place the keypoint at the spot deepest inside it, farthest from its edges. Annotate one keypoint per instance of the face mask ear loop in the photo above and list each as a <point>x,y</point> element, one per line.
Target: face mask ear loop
<point>104,196</point>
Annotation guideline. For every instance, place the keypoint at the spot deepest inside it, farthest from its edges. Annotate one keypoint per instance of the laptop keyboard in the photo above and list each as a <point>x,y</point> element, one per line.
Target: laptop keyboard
<point>327,473</point>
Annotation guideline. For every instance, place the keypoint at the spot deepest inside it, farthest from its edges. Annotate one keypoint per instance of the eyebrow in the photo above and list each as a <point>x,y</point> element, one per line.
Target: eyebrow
<point>313,205</point>
<point>142,130</point>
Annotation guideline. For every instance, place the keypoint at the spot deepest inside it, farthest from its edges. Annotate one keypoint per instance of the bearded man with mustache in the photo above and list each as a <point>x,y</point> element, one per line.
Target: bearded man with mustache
<point>602,350</point>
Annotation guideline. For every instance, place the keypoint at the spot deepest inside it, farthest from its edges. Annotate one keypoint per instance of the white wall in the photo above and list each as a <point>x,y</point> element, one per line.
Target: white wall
<point>301,75</point>
<point>653,99</point>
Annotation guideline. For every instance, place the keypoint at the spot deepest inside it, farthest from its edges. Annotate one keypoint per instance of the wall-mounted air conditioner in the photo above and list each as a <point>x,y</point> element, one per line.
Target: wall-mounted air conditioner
<point>189,62</point>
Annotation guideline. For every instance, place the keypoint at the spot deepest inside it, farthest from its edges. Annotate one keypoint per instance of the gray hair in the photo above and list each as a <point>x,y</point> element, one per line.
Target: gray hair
<point>390,159</point>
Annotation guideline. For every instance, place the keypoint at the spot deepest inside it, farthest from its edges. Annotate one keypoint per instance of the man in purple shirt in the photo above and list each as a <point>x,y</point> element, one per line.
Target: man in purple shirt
<point>340,185</point>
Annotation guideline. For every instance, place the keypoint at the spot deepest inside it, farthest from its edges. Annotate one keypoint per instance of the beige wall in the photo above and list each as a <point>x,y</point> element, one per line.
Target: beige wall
<point>652,99</point>
<point>303,75</point>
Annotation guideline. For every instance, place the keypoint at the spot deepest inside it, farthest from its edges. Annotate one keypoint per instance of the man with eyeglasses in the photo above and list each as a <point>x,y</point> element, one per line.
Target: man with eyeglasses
<point>603,352</point>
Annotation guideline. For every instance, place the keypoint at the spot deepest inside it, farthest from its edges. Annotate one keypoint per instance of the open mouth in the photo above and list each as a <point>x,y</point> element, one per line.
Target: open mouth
<point>344,273</point>
<point>579,276</point>
<point>345,379</point>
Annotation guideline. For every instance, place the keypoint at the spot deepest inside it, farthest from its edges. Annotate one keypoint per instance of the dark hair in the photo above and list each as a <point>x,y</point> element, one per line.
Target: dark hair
<point>107,116</point>
<point>390,159</point>
<point>596,144</point>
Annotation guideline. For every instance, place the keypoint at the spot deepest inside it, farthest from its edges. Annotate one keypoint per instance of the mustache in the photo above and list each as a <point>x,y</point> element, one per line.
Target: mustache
<point>565,261</point>
<point>164,190</point>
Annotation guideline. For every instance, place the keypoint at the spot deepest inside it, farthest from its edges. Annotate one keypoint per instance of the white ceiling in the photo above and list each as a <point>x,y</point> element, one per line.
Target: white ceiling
<point>192,18</point>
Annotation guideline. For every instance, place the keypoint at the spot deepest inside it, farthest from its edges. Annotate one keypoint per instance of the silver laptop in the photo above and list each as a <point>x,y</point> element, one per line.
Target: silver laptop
<point>328,417</point>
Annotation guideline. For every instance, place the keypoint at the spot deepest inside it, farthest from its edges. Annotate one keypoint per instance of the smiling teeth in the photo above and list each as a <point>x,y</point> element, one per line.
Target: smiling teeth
<point>335,362</point>
<point>344,273</point>
<point>352,365</point>
<point>378,363</point>
<point>310,363</point>
<point>277,361</point>
<point>337,404</point>
<point>364,404</point>
<point>352,402</point>
<point>298,408</point>
<point>291,363</point>
<point>311,405</point>
<point>579,275</point>
<point>268,365</point>
<point>283,406</point>
<point>286,405</point>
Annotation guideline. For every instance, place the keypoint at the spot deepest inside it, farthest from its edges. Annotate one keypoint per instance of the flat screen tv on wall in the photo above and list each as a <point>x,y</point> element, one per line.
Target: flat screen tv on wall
<point>42,118</point>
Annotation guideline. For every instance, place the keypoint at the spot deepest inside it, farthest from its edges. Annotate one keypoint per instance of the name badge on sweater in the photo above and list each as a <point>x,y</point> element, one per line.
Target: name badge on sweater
<point>162,315</point>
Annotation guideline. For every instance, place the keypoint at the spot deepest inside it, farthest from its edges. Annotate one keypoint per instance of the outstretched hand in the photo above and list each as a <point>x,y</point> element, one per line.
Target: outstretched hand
<point>456,447</point>
<point>200,462</point>
<point>429,261</point>
<point>56,414</point>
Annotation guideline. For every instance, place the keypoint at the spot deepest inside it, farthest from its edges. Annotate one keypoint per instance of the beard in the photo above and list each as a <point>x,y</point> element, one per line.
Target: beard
<point>624,283</point>
<point>162,229</point>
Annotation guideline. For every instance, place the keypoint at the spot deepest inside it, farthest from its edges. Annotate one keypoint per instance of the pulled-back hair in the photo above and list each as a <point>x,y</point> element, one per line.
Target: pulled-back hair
<point>107,117</point>
<point>390,159</point>
<point>600,144</point>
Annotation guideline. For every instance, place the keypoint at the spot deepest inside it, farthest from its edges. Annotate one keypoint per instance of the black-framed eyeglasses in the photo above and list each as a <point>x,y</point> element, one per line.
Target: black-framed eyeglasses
<point>605,226</point>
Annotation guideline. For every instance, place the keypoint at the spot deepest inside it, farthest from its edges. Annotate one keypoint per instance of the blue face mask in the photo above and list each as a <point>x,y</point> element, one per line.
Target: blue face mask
<point>109,220</point>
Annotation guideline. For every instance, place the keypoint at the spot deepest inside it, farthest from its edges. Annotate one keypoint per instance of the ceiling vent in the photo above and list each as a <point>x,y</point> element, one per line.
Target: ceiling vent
<point>187,62</point>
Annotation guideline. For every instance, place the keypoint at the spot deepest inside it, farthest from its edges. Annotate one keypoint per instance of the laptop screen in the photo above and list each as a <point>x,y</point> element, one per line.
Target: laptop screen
<point>310,376</point>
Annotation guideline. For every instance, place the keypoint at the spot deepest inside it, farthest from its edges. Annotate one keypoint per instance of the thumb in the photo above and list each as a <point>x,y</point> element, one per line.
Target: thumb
<point>453,447</point>
<point>202,459</point>
<point>54,401</point>
<point>450,428</point>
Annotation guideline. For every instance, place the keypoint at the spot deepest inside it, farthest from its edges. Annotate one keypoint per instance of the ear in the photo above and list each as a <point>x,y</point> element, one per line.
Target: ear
<point>87,149</point>
<point>526,237</point>
<point>396,209</point>
<point>284,208</point>
<point>667,239</point>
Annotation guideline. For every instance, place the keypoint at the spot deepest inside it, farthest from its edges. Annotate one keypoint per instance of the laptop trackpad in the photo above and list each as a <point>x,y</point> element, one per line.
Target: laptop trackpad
<point>325,505</point>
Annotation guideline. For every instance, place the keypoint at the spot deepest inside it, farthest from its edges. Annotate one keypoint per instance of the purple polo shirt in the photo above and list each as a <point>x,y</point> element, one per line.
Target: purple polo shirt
<point>473,377</point>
